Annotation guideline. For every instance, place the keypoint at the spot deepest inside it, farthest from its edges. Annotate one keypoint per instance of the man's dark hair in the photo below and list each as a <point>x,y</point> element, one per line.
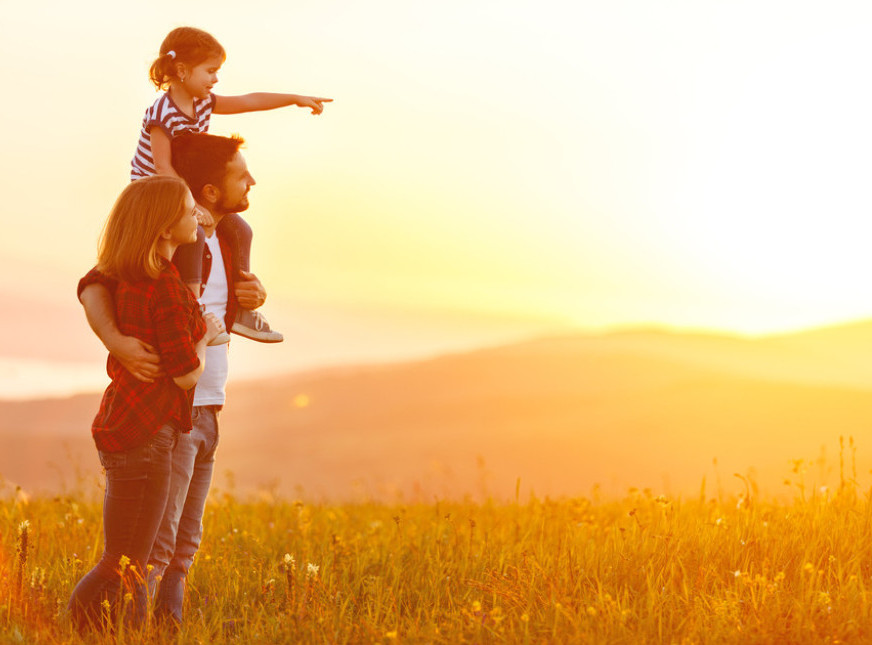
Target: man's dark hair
<point>202,159</point>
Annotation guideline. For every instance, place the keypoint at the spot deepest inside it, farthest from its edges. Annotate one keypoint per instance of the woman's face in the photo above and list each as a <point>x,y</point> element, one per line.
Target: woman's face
<point>184,231</point>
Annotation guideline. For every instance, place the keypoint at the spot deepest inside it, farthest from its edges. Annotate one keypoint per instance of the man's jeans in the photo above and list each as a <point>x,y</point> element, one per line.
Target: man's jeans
<point>137,487</point>
<point>182,526</point>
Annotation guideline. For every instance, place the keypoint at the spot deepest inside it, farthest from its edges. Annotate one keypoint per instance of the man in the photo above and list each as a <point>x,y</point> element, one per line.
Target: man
<point>219,180</point>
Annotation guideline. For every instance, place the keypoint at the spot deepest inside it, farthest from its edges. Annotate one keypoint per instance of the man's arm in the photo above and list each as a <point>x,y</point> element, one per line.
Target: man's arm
<point>137,357</point>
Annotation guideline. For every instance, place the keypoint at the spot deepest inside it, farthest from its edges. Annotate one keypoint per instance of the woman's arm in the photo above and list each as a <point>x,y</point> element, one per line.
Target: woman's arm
<point>258,101</point>
<point>189,380</point>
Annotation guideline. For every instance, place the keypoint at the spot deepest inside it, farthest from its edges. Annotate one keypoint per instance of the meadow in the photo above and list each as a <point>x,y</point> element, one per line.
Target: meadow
<point>721,567</point>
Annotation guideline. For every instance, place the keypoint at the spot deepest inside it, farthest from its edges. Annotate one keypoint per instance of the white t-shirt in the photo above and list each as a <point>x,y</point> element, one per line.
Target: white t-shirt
<point>210,387</point>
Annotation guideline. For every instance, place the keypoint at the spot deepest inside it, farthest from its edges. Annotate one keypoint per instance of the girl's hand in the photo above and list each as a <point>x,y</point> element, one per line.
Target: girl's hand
<point>314,103</point>
<point>213,326</point>
<point>204,218</point>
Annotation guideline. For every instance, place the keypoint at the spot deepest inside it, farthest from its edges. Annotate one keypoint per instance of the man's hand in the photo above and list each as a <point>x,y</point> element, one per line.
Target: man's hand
<point>137,357</point>
<point>249,291</point>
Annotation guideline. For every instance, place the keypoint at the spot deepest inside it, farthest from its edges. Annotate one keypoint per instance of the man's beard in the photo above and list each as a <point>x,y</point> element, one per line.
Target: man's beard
<point>224,208</point>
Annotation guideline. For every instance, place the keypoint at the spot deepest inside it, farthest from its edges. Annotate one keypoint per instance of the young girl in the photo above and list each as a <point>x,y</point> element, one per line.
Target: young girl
<point>187,68</point>
<point>137,424</point>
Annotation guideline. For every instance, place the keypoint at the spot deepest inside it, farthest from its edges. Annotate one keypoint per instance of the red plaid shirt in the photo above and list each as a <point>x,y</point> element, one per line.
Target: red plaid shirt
<point>164,314</point>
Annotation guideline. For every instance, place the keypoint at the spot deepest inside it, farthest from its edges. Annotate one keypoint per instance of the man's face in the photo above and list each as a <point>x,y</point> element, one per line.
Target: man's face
<point>234,189</point>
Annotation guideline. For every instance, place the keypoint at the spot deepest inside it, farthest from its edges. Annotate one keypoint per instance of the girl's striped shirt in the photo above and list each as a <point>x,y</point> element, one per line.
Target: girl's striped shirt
<point>165,115</point>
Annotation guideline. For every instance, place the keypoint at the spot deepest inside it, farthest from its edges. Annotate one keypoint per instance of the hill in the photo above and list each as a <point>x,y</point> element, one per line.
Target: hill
<point>645,408</point>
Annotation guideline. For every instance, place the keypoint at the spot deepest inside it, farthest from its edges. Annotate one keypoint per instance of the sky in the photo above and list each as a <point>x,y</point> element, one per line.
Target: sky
<point>488,169</point>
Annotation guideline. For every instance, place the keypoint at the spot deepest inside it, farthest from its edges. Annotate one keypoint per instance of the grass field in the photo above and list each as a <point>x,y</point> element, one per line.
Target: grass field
<point>717,568</point>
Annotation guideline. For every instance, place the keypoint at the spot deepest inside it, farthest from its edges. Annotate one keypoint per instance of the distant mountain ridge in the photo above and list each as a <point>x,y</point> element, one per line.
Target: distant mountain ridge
<point>626,408</point>
<point>835,355</point>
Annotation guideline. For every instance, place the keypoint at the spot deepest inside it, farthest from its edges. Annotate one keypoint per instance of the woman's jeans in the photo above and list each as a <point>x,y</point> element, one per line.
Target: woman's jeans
<point>137,488</point>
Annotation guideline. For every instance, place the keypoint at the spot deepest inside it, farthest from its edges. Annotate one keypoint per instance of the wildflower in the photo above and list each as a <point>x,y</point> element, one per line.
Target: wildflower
<point>22,553</point>
<point>808,568</point>
<point>591,611</point>
<point>824,598</point>
<point>37,578</point>
<point>525,618</point>
<point>391,635</point>
<point>737,573</point>
<point>779,577</point>
<point>123,561</point>
<point>290,563</point>
<point>312,570</point>
<point>476,606</point>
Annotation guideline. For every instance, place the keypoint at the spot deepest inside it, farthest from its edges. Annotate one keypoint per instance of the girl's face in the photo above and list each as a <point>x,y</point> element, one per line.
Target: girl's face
<point>184,231</point>
<point>200,79</point>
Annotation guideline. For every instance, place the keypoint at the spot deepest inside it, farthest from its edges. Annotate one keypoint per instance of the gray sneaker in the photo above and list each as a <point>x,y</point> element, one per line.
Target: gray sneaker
<point>221,339</point>
<point>254,326</point>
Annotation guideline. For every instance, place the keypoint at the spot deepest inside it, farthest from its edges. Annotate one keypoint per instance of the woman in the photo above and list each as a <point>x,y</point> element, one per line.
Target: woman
<point>137,424</point>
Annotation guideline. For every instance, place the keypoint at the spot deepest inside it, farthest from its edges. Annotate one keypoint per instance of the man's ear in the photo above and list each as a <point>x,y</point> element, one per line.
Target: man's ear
<point>210,194</point>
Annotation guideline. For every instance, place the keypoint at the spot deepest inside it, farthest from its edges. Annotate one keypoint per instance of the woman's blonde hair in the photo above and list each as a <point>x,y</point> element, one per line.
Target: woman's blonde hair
<point>145,208</point>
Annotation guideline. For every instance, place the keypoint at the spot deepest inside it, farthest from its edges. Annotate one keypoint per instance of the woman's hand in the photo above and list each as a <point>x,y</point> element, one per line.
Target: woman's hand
<point>213,326</point>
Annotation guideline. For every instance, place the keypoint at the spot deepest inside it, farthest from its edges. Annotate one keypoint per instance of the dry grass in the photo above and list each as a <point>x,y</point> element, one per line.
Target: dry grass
<point>642,569</point>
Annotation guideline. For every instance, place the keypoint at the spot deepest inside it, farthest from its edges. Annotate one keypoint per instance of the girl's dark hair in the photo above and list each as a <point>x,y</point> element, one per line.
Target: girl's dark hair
<point>187,45</point>
<point>201,159</point>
